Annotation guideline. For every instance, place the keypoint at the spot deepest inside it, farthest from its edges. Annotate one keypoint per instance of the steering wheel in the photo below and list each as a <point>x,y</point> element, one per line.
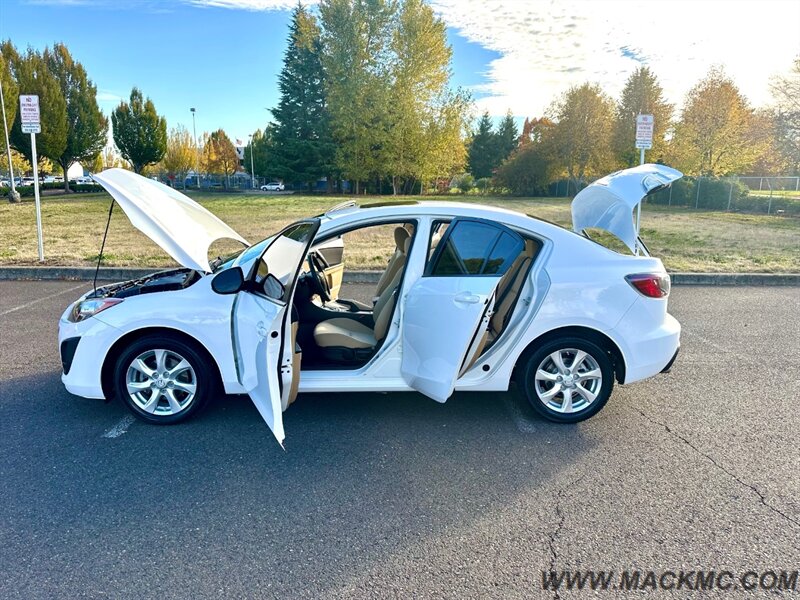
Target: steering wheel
<point>316,265</point>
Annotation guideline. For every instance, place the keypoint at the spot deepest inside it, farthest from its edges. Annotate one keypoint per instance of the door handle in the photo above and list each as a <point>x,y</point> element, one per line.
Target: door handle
<point>467,298</point>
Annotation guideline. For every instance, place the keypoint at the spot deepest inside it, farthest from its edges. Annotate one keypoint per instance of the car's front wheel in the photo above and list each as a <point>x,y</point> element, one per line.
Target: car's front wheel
<point>162,379</point>
<point>568,380</point>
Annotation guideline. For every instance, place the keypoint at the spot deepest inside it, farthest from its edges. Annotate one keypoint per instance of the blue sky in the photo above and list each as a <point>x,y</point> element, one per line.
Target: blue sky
<point>223,56</point>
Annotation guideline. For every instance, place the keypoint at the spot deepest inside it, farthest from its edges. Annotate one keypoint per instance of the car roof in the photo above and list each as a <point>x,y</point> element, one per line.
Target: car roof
<point>350,212</point>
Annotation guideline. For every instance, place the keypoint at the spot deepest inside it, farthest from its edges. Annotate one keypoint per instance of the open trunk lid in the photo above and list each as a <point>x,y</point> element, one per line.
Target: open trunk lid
<point>179,225</point>
<point>609,202</point>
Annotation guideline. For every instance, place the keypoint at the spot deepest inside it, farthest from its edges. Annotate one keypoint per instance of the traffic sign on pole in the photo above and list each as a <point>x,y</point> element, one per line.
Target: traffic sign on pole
<point>31,123</point>
<point>644,131</point>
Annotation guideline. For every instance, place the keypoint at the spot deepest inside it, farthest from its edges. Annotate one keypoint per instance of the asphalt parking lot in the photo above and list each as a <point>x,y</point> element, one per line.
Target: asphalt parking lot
<point>396,495</point>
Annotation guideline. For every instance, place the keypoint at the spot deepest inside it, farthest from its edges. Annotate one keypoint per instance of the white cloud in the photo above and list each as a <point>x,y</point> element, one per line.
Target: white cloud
<point>547,46</point>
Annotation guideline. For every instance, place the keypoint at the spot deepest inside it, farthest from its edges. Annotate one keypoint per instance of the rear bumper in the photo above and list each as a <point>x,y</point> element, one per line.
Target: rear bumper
<point>668,368</point>
<point>647,350</point>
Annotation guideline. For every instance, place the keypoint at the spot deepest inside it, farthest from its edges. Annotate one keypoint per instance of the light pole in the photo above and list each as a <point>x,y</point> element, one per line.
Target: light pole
<point>196,151</point>
<point>12,197</point>
<point>252,170</point>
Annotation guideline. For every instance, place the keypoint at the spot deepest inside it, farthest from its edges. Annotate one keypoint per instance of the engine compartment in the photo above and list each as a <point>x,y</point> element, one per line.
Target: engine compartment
<point>162,281</point>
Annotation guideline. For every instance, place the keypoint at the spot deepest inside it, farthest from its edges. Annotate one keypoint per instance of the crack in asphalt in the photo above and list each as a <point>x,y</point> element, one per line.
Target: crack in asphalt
<point>560,494</point>
<point>713,461</point>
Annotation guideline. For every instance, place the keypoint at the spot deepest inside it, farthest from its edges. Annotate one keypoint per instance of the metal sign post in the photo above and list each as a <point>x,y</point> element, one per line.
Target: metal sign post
<point>644,141</point>
<point>30,121</point>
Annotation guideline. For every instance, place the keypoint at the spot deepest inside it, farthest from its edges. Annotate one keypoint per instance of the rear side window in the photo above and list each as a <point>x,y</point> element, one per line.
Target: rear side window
<point>475,248</point>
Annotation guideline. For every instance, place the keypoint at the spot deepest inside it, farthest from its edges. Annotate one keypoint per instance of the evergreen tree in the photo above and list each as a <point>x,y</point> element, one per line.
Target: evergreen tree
<point>86,126</point>
<point>507,139</point>
<point>642,95</point>
<point>482,149</point>
<point>139,132</point>
<point>301,146</point>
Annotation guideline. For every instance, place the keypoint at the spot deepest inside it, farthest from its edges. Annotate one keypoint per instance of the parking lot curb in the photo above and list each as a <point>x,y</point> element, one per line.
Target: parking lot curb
<point>123,273</point>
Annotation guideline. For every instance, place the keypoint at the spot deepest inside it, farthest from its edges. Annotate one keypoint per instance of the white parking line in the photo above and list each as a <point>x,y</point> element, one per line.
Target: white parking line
<point>120,428</point>
<point>32,302</point>
<point>523,423</point>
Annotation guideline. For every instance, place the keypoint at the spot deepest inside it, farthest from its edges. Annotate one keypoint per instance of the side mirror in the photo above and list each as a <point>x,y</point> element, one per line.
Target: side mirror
<point>229,281</point>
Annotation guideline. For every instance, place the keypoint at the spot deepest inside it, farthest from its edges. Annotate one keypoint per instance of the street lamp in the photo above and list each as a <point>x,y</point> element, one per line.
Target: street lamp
<point>252,170</point>
<point>196,151</point>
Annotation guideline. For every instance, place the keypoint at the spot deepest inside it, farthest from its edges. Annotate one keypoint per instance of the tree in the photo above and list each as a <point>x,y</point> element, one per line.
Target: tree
<point>302,146</point>
<point>582,133</point>
<point>481,148</point>
<point>527,172</point>
<point>180,156</point>
<point>139,132</point>
<point>261,146</point>
<point>87,128</point>
<point>219,155</point>
<point>33,77</point>
<point>18,162</point>
<point>642,94</point>
<point>786,96</point>
<point>426,120</point>
<point>507,138</point>
<point>10,89</point>
<point>718,131</point>
<point>356,38</point>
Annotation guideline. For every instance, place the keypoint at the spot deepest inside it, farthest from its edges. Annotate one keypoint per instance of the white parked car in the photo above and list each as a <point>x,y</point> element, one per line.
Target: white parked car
<point>273,186</point>
<point>472,297</point>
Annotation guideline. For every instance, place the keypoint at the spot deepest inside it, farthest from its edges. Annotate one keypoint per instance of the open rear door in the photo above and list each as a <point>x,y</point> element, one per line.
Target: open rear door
<point>446,309</point>
<point>262,333</point>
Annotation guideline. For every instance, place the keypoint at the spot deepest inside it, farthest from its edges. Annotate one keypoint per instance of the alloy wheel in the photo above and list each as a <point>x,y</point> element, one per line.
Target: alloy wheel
<point>568,380</point>
<point>161,382</point>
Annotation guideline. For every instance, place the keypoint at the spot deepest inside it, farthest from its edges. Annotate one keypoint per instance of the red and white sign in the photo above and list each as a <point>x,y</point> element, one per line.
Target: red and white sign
<point>644,131</point>
<point>29,113</point>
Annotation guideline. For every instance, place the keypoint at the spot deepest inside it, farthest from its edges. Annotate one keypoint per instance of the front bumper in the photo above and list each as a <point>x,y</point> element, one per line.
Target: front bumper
<point>81,374</point>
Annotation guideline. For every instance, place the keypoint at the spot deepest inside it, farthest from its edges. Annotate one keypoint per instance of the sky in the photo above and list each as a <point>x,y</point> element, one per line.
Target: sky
<point>223,56</point>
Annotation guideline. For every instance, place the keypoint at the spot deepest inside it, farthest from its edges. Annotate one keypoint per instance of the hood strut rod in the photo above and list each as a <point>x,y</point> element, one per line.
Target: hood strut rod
<point>102,247</point>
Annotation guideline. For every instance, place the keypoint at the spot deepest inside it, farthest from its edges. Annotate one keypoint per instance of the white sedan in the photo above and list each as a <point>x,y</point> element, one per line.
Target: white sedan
<point>472,297</point>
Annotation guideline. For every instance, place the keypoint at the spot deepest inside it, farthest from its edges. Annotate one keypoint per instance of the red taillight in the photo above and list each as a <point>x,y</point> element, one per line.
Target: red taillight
<point>652,285</point>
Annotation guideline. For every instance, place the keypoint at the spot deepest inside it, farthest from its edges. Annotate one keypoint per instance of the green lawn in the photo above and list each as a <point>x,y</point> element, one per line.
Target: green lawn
<point>685,239</point>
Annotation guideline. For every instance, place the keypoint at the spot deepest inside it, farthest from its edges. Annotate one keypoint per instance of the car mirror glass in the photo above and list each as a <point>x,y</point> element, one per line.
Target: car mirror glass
<point>273,287</point>
<point>229,281</point>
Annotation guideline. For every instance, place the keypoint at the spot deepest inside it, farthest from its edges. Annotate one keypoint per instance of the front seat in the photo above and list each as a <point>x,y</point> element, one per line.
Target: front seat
<point>396,262</point>
<point>343,339</point>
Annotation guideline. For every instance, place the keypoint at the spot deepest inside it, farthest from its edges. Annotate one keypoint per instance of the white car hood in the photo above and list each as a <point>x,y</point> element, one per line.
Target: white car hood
<point>183,228</point>
<point>608,203</point>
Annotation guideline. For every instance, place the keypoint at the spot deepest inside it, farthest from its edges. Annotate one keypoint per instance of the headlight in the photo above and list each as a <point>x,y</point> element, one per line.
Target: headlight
<point>84,309</point>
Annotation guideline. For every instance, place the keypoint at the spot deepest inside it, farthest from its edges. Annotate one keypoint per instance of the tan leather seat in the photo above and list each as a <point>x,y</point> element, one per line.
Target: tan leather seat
<point>348,333</point>
<point>401,239</point>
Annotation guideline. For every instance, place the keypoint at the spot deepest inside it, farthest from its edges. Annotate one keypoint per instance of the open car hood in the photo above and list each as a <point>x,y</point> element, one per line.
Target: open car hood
<point>178,224</point>
<point>608,203</point>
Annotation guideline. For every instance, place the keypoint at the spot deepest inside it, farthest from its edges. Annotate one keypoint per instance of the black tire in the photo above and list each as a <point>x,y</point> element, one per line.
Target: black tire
<point>533,360</point>
<point>201,376</point>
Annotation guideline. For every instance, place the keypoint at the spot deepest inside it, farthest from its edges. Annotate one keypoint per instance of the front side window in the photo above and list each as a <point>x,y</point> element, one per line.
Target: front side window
<point>282,260</point>
<point>475,248</point>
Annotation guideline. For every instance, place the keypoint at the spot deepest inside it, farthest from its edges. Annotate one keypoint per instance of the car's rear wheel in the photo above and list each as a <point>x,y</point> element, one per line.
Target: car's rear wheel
<point>162,379</point>
<point>568,380</point>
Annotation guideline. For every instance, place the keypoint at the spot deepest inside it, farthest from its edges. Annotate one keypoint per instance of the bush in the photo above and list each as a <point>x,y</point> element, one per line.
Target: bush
<point>464,182</point>
<point>28,190</point>
<point>526,172</point>
<point>483,184</point>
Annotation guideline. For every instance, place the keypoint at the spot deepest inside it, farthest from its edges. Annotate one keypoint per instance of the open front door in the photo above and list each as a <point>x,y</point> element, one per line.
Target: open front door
<point>446,309</point>
<point>262,330</point>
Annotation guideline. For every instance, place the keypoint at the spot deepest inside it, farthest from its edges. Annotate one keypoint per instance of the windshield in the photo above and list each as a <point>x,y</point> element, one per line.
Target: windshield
<point>241,257</point>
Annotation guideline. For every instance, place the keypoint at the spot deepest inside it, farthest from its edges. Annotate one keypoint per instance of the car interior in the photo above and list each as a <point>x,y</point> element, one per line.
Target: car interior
<point>333,333</point>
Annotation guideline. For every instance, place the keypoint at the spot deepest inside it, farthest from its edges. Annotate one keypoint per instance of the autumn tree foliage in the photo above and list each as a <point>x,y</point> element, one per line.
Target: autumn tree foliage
<point>718,131</point>
<point>219,155</point>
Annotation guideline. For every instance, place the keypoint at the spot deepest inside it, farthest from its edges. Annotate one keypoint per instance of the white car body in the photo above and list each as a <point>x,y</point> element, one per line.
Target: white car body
<point>272,187</point>
<point>245,333</point>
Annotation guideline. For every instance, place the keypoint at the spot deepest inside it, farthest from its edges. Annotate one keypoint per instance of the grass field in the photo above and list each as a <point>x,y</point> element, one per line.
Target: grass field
<point>686,240</point>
